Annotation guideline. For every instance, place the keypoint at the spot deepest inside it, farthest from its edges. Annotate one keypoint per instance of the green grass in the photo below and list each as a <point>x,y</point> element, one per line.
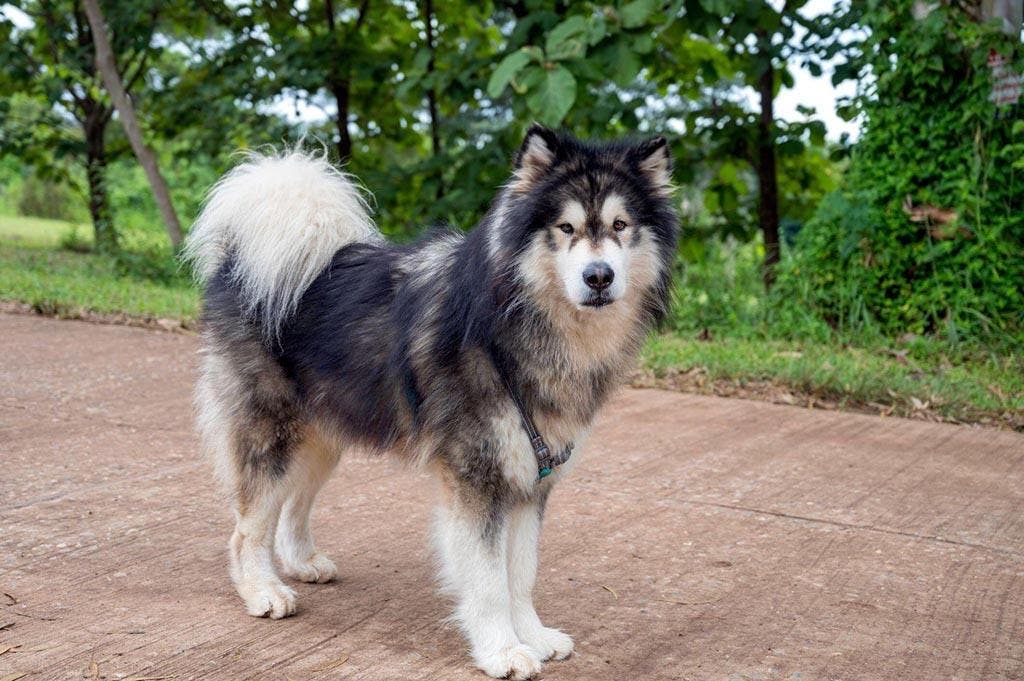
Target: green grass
<point>40,232</point>
<point>876,378</point>
<point>35,270</point>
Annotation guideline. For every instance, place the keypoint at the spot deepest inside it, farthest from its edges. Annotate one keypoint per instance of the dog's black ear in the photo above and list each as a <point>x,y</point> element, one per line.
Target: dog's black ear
<point>538,153</point>
<point>653,159</point>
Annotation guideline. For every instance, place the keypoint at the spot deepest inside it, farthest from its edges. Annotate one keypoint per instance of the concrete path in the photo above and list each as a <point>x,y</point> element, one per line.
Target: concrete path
<point>701,538</point>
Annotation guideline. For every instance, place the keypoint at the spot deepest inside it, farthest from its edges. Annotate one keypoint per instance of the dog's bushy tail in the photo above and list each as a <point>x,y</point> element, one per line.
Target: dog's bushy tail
<point>280,218</point>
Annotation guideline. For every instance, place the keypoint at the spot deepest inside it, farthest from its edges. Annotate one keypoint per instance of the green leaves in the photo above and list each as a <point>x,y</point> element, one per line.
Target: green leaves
<point>506,71</point>
<point>567,40</point>
<point>636,13</point>
<point>620,62</point>
<point>550,89</point>
<point>553,96</point>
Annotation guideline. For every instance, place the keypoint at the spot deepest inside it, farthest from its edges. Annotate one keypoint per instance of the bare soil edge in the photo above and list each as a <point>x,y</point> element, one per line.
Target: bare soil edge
<point>168,324</point>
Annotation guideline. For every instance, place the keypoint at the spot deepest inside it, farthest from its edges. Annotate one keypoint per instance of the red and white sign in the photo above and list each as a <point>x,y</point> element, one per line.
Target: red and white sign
<point>1006,83</point>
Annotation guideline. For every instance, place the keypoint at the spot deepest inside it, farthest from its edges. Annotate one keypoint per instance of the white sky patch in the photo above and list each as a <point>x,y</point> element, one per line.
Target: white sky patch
<point>816,92</point>
<point>297,109</point>
<point>819,94</point>
<point>17,17</point>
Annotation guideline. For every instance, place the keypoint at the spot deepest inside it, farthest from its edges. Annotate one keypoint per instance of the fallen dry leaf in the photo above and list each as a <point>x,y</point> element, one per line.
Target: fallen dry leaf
<point>611,591</point>
<point>94,670</point>
<point>12,599</point>
<point>333,663</point>
<point>15,676</point>
<point>8,649</point>
<point>900,355</point>
<point>926,212</point>
<point>6,625</point>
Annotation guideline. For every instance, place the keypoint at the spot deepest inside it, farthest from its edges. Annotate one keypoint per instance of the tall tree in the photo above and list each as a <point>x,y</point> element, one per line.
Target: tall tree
<point>112,79</point>
<point>339,71</point>
<point>762,43</point>
<point>766,163</point>
<point>54,62</point>
<point>431,69</point>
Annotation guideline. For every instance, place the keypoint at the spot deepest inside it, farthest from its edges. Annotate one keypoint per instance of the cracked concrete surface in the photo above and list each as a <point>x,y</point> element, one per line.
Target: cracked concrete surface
<point>699,538</point>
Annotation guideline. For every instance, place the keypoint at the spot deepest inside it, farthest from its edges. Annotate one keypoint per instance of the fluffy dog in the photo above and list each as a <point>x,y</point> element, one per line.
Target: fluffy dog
<point>482,357</point>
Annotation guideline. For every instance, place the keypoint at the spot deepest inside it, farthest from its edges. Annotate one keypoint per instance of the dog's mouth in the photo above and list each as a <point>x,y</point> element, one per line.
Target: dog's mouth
<point>598,300</point>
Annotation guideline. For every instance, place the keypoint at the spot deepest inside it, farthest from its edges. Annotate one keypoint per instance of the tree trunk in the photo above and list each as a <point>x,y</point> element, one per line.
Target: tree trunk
<point>340,84</point>
<point>112,80</point>
<point>435,121</point>
<point>341,90</point>
<point>104,236</point>
<point>768,194</point>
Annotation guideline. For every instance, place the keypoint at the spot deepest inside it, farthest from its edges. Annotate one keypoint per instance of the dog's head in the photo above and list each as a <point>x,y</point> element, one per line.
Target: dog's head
<point>593,221</point>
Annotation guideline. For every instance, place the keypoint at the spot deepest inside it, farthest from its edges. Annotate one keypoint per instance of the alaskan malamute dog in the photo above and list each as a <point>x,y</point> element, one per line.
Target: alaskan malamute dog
<point>481,357</point>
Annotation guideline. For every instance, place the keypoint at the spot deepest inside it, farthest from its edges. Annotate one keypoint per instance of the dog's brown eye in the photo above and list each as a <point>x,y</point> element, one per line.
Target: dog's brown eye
<point>619,225</point>
<point>566,227</point>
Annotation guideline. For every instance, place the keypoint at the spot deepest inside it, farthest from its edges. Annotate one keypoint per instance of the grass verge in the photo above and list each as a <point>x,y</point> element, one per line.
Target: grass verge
<point>880,380</point>
<point>37,272</point>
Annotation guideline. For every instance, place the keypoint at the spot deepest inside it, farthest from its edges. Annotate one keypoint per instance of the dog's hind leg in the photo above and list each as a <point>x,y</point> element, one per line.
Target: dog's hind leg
<point>310,467</point>
<point>251,552</point>
<point>524,536</point>
<point>472,540</point>
<point>250,431</point>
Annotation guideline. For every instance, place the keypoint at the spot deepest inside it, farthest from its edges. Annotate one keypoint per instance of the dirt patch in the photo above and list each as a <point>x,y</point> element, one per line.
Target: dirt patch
<point>697,538</point>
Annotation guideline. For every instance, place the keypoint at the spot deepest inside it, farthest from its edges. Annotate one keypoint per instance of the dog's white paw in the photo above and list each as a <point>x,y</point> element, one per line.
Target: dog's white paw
<point>270,599</point>
<point>517,662</point>
<point>552,644</point>
<point>319,569</point>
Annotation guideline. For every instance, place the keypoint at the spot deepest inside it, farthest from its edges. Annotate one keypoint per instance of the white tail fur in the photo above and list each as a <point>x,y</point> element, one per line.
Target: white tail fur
<point>282,217</point>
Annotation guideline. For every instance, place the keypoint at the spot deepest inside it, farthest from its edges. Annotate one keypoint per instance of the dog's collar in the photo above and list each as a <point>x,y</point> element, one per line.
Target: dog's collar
<point>546,461</point>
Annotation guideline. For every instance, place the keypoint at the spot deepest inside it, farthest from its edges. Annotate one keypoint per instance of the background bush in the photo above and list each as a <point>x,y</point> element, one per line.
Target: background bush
<point>931,138</point>
<point>43,198</point>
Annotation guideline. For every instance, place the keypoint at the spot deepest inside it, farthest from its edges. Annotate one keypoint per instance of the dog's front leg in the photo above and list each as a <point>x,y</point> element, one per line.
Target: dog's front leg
<point>472,540</point>
<point>524,536</point>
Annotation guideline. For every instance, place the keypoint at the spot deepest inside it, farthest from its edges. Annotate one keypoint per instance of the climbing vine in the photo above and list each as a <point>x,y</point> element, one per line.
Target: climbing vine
<point>927,234</point>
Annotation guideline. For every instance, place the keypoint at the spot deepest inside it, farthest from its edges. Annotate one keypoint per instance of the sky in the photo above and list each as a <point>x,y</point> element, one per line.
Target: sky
<point>817,92</point>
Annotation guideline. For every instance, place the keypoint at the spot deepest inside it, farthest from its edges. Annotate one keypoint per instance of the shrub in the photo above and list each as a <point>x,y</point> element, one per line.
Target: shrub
<point>45,199</point>
<point>927,234</point>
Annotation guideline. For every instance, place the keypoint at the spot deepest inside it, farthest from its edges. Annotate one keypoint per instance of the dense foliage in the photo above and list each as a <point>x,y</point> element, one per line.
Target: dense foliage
<point>926,236</point>
<point>426,101</point>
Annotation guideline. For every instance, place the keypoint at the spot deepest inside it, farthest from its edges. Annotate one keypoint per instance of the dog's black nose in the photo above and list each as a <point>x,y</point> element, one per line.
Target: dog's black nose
<point>598,275</point>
